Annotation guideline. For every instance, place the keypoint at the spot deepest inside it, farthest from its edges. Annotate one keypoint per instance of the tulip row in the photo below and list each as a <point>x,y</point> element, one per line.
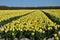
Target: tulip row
<point>6,14</point>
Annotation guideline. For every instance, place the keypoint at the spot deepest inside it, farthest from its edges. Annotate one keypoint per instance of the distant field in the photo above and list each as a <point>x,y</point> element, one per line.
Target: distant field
<point>33,24</point>
<point>6,14</point>
<point>55,13</point>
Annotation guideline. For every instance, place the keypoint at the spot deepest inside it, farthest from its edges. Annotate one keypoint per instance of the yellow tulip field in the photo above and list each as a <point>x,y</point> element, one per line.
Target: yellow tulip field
<point>33,24</point>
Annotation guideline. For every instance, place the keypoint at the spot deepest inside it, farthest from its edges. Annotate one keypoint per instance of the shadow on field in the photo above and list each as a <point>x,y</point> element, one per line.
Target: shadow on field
<point>12,18</point>
<point>52,18</point>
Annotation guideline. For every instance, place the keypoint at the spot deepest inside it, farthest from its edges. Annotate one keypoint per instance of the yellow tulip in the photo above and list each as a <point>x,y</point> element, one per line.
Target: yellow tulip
<point>32,33</point>
<point>59,32</point>
<point>6,30</point>
<point>21,30</point>
<point>2,29</point>
<point>55,35</point>
<point>43,31</point>
<point>12,33</point>
<point>57,38</point>
<point>13,29</point>
<point>49,28</point>
<point>40,30</point>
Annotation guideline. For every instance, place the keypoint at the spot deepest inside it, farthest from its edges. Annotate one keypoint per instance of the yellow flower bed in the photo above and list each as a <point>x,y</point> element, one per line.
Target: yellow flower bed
<point>35,25</point>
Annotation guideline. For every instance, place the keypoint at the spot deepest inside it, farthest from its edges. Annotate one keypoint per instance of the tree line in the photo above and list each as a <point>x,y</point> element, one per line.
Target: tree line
<point>14,8</point>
